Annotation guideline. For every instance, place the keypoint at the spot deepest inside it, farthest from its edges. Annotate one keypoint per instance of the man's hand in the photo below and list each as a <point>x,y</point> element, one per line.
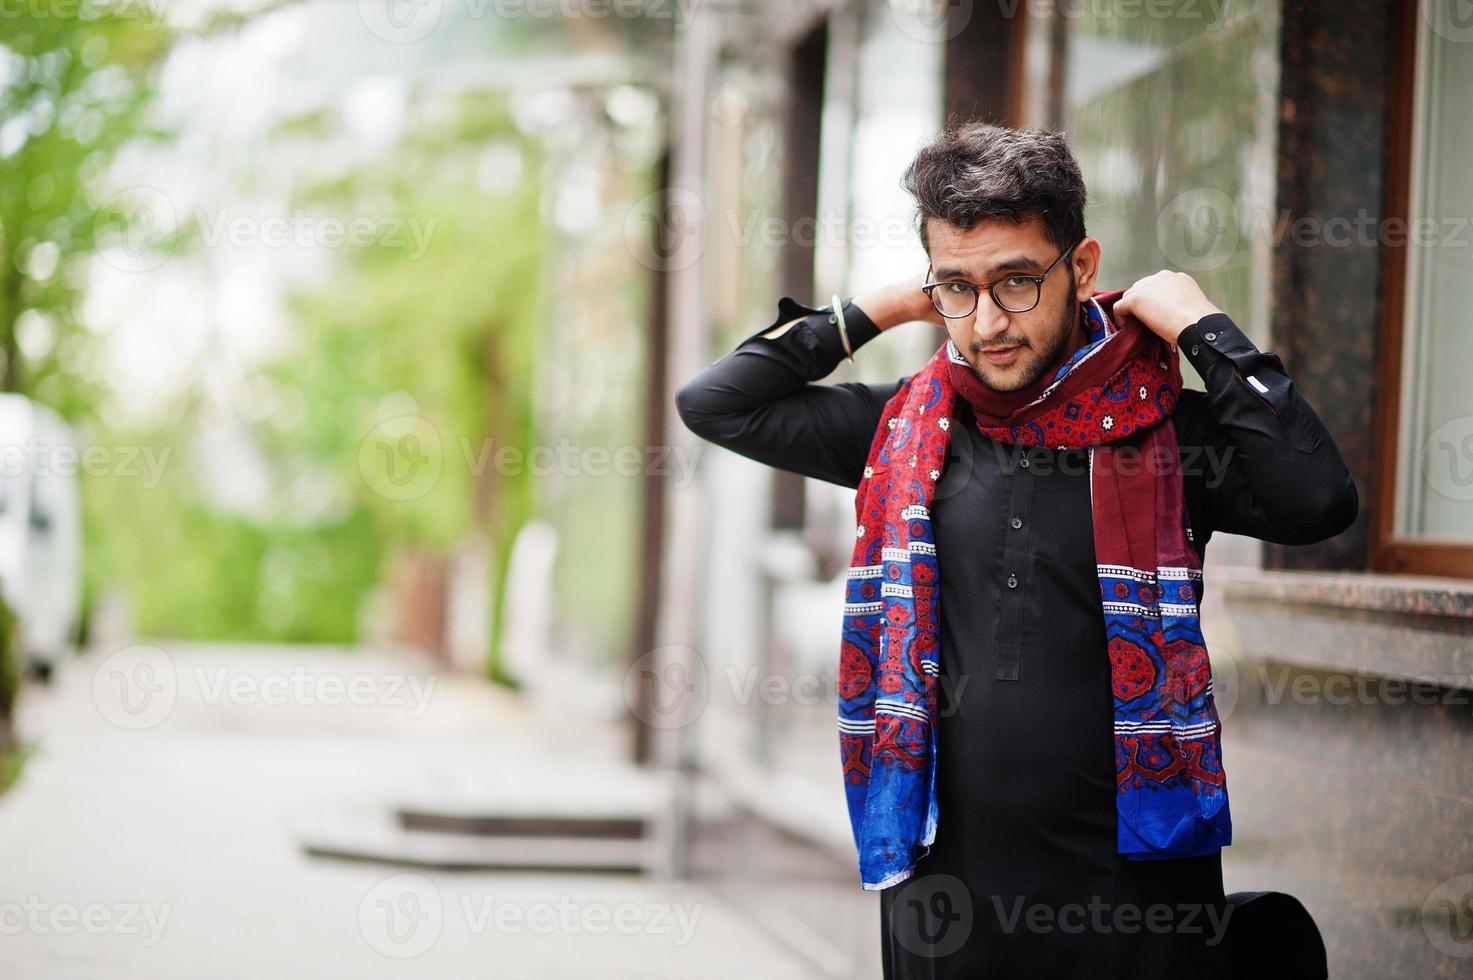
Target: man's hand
<point>1166,302</point>
<point>897,303</point>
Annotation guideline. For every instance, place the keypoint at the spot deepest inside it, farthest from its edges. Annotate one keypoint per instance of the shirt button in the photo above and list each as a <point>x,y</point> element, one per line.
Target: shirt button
<point>1212,336</point>
<point>1012,581</point>
<point>1017,522</point>
<point>1023,462</point>
<point>1196,347</point>
<point>833,318</point>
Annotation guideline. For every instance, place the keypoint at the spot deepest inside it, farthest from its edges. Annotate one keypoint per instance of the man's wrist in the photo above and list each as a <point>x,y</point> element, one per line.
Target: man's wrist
<point>890,306</point>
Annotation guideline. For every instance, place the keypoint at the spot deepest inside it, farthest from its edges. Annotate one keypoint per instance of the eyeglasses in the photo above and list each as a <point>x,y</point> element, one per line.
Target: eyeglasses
<point>954,298</point>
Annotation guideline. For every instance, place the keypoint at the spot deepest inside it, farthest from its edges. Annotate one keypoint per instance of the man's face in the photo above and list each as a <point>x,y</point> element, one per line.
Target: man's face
<point>1010,351</point>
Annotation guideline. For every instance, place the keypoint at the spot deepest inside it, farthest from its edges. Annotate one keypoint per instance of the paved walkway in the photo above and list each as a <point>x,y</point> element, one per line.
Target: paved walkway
<point>151,835</point>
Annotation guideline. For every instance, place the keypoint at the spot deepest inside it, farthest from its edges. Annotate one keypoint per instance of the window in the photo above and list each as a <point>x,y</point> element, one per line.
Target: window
<point>1424,518</point>
<point>1174,123</point>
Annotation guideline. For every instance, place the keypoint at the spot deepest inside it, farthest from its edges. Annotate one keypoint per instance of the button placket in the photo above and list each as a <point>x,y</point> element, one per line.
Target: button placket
<point>1009,639</point>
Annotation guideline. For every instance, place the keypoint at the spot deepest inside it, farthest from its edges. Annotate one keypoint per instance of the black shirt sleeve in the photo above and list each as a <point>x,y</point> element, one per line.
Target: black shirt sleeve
<point>1256,458</point>
<point>760,399</point>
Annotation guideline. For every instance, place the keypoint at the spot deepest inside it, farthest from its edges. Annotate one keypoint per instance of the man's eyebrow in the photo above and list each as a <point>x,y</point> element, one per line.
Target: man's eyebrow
<point>1013,263</point>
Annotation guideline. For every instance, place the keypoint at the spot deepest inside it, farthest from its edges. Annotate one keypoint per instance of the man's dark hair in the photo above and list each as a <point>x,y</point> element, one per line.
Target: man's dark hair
<point>977,171</point>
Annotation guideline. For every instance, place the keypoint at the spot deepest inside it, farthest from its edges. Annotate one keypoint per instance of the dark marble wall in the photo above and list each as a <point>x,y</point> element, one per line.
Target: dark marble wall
<point>1336,65</point>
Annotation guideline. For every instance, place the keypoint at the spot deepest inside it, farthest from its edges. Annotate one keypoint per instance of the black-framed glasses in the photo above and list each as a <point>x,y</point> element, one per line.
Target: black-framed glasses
<point>954,298</point>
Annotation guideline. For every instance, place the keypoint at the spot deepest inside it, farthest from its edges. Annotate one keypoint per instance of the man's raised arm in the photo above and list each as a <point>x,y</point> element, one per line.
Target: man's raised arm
<point>762,400</point>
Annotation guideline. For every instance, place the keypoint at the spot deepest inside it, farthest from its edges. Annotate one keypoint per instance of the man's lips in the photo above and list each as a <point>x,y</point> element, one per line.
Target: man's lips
<point>1001,354</point>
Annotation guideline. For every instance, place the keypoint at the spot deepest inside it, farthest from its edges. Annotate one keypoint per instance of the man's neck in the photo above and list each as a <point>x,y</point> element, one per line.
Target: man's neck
<point>1080,336</point>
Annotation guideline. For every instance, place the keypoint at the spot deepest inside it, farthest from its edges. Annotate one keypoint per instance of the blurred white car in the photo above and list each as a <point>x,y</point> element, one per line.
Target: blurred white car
<point>40,530</point>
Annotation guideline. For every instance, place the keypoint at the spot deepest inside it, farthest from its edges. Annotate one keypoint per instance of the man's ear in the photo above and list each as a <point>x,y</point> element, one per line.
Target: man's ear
<point>1086,261</point>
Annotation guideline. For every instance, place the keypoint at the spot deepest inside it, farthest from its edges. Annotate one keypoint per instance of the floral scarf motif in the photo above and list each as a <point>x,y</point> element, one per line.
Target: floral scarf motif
<point>1118,390</point>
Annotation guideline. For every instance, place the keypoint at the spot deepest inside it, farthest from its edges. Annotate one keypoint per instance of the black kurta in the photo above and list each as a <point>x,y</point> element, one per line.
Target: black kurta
<point>1024,879</point>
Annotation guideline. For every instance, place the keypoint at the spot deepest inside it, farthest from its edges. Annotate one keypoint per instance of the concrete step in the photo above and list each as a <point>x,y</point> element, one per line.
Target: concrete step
<point>482,823</point>
<point>461,852</point>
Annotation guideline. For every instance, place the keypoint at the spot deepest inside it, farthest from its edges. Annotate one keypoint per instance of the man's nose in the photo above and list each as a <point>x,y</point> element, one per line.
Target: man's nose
<point>989,323</point>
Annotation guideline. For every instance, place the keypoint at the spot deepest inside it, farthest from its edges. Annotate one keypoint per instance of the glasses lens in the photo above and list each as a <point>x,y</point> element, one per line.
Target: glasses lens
<point>954,298</point>
<point>1016,294</point>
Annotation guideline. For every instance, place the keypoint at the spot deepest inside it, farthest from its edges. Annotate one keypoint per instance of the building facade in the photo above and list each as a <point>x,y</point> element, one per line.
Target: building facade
<point>1307,163</point>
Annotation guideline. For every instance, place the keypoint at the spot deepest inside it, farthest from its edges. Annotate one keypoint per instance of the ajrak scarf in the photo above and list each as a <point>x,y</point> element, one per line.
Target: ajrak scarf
<point>1118,390</point>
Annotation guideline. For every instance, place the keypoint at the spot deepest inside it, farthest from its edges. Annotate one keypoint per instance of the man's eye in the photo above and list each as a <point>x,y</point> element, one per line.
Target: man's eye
<point>956,288</point>
<point>1016,282</point>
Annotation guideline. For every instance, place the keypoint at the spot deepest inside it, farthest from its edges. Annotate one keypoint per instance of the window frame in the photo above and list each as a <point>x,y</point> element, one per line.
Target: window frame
<point>1391,550</point>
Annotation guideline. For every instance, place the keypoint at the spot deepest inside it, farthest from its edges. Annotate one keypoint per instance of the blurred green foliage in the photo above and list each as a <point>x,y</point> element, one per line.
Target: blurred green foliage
<point>436,317</point>
<point>441,321</point>
<point>73,91</point>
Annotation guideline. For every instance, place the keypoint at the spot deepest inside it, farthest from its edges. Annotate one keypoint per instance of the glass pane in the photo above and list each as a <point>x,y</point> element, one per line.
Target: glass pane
<point>1436,445</point>
<point>1174,121</point>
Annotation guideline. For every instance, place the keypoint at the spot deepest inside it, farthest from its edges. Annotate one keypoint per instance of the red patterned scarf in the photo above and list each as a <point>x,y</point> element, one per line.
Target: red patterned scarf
<point>1117,393</point>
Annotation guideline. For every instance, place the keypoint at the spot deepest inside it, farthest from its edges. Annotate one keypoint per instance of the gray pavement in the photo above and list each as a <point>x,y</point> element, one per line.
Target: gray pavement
<point>152,833</point>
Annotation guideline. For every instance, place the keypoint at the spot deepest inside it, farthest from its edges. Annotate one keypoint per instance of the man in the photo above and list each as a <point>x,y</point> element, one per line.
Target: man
<point>1029,738</point>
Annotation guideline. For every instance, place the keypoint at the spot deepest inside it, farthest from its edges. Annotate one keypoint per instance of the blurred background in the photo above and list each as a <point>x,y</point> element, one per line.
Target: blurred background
<point>367,611</point>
